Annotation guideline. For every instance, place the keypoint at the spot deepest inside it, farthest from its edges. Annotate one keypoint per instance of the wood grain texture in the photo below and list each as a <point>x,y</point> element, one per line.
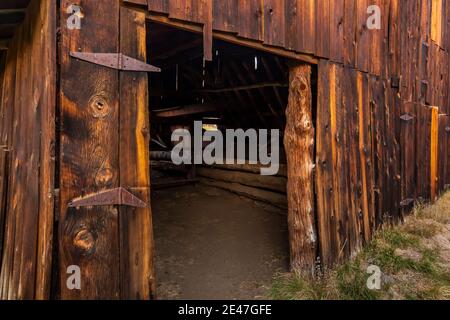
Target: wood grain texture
<point>434,153</point>
<point>26,133</point>
<point>299,146</point>
<point>323,20</point>
<point>324,169</point>
<point>89,160</point>
<point>47,56</point>
<point>137,276</point>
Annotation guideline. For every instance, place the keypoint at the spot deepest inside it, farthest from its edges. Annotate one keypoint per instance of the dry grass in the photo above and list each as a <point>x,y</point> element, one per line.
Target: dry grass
<point>414,258</point>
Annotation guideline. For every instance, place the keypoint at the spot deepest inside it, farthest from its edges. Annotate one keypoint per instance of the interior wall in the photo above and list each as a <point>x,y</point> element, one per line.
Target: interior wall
<point>26,156</point>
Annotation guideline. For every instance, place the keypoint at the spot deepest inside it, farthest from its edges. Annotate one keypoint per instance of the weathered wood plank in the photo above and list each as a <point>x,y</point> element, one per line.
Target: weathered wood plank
<point>251,19</point>
<point>225,15</point>
<point>337,31</point>
<point>362,36</point>
<point>349,26</point>
<point>6,140</point>
<point>323,19</point>
<point>408,155</point>
<point>365,151</point>
<point>324,168</point>
<point>442,152</point>
<point>89,162</point>
<point>436,21</point>
<point>434,153</point>
<point>136,231</point>
<point>353,184</point>
<point>161,6</point>
<point>46,78</point>
<point>423,151</point>
<point>376,47</point>
<point>274,23</point>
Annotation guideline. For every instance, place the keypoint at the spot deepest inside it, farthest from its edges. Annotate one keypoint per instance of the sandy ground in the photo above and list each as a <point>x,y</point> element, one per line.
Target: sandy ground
<point>212,244</point>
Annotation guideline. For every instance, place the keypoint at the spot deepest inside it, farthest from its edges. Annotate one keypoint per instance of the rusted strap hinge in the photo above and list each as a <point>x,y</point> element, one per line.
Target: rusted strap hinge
<point>407,117</point>
<point>406,203</point>
<point>116,61</point>
<point>119,196</point>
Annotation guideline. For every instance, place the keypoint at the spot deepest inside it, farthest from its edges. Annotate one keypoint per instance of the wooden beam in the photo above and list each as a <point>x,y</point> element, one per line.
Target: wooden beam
<point>273,183</point>
<point>247,87</point>
<point>273,198</point>
<point>434,153</point>
<point>137,275</point>
<point>89,237</point>
<point>47,59</point>
<point>185,110</point>
<point>299,146</point>
<point>252,168</point>
<point>208,30</point>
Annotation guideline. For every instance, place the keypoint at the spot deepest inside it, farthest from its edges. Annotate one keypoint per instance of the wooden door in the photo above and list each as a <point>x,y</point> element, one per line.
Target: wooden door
<point>104,145</point>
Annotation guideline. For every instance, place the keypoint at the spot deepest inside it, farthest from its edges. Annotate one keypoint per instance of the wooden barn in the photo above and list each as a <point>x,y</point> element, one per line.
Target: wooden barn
<point>90,91</point>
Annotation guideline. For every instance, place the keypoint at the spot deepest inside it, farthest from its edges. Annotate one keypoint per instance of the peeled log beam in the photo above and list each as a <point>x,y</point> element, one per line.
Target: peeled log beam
<point>277,184</point>
<point>245,88</point>
<point>299,144</point>
<point>273,198</point>
<point>253,168</point>
<point>185,110</point>
<point>161,155</point>
<point>168,166</point>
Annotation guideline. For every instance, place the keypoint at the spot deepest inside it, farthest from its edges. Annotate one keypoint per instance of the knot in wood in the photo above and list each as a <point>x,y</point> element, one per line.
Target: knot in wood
<point>303,86</point>
<point>84,241</point>
<point>104,177</point>
<point>99,106</point>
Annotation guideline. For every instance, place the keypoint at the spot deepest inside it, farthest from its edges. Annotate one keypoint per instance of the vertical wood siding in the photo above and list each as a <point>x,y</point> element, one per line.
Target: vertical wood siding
<point>27,157</point>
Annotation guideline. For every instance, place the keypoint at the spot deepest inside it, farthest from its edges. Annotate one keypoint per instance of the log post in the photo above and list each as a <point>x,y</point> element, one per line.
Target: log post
<point>299,144</point>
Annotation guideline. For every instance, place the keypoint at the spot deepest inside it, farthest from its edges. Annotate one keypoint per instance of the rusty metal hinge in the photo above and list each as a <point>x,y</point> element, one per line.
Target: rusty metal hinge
<point>119,196</point>
<point>406,202</point>
<point>116,61</point>
<point>407,117</point>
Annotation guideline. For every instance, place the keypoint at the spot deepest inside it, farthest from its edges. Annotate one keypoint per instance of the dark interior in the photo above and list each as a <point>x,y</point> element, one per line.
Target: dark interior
<point>245,213</point>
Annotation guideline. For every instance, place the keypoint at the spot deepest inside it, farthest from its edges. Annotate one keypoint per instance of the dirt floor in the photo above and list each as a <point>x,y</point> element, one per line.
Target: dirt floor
<point>212,244</point>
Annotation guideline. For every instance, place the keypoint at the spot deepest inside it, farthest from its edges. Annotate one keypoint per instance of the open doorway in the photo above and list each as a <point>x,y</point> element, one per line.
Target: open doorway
<point>220,231</point>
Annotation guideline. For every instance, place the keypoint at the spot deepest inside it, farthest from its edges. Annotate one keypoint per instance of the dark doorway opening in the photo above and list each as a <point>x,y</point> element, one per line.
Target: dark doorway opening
<point>221,230</point>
